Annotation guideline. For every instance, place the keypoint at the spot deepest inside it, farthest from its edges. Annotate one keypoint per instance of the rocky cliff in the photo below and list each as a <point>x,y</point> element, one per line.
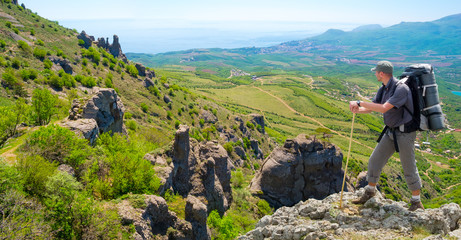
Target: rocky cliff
<point>378,218</point>
<point>303,168</point>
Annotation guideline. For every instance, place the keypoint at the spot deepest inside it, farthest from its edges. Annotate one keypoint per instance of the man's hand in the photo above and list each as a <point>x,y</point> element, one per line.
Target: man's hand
<point>353,106</point>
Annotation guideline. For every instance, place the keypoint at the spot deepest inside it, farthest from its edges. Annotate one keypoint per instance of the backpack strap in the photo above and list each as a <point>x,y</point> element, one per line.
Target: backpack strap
<point>394,135</point>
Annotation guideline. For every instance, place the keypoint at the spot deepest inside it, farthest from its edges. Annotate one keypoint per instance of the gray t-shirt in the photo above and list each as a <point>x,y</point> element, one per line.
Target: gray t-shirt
<point>396,116</point>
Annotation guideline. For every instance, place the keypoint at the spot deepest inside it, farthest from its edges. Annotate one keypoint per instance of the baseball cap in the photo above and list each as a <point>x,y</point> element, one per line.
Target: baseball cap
<point>384,66</point>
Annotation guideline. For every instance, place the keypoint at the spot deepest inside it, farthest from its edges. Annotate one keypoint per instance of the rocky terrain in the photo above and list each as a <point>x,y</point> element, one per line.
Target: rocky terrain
<point>378,218</point>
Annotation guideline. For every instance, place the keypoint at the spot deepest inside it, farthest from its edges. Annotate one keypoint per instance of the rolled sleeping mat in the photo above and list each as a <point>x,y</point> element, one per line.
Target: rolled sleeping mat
<point>430,95</point>
<point>434,116</point>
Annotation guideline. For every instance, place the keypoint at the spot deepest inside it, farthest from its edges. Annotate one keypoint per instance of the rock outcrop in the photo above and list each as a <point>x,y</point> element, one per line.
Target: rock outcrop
<point>258,119</point>
<point>301,169</point>
<point>378,218</point>
<point>64,63</point>
<point>154,219</point>
<point>102,113</point>
<point>115,48</point>
<point>201,170</point>
<point>87,39</point>
<point>196,214</point>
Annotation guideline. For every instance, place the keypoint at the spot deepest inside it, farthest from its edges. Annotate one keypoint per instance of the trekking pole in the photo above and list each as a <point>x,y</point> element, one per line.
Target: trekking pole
<point>347,162</point>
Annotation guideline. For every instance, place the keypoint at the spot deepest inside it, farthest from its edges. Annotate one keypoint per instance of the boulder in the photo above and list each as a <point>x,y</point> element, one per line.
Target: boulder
<point>240,152</point>
<point>301,169</point>
<point>67,169</point>
<point>64,63</point>
<point>208,117</point>
<point>86,128</point>
<point>103,112</point>
<point>148,83</point>
<point>361,180</point>
<point>166,98</point>
<point>141,69</point>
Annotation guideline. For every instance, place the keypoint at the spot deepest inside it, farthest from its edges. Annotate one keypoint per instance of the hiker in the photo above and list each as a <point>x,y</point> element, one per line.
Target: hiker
<point>395,117</point>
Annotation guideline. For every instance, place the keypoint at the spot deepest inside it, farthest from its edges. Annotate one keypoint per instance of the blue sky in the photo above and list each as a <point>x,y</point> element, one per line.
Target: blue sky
<point>217,20</point>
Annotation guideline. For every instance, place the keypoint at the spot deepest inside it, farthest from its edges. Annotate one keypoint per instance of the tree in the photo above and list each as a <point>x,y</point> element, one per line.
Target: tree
<point>10,118</point>
<point>43,103</point>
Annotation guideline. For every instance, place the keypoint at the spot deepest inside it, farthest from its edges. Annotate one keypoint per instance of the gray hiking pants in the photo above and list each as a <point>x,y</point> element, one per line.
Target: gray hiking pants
<point>384,150</point>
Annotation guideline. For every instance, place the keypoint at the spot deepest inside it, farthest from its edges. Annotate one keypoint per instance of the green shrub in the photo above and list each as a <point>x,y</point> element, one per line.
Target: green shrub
<point>70,210</point>
<point>229,147</point>
<point>108,83</point>
<point>22,218</point>
<point>35,171</point>
<point>47,63</point>
<point>169,115</point>
<point>32,32</point>
<point>56,82</point>
<point>237,179</point>
<point>118,167</point>
<point>11,178</point>
<point>132,125</point>
<point>24,46</point>
<point>88,82</point>
<point>58,144</point>
<point>264,207</point>
<point>16,63</point>
<point>250,125</point>
<point>40,42</point>
<point>2,43</point>
<point>81,42</point>
<point>10,81</point>
<point>225,226</point>
<point>144,107</point>
<point>132,70</point>
<point>8,24</point>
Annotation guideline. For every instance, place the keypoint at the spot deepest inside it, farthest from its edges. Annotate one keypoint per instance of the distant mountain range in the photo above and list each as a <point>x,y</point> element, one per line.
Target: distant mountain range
<point>439,37</point>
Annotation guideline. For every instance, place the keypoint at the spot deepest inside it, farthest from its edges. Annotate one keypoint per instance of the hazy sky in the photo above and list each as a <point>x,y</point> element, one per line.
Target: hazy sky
<point>141,18</point>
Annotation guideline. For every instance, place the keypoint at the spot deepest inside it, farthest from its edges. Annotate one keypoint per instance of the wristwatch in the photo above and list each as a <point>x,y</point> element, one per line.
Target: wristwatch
<point>358,103</point>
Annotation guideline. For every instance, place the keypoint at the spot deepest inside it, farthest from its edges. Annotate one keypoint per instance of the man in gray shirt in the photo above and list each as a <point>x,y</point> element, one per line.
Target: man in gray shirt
<point>391,100</point>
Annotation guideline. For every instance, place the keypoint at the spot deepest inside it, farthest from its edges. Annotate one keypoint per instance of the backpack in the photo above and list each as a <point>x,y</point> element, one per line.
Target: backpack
<point>427,112</point>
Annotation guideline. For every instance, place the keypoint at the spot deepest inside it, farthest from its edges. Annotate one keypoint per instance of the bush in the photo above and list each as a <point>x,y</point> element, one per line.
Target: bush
<point>81,42</point>
<point>58,144</point>
<point>70,210</point>
<point>132,125</point>
<point>118,168</point>
<point>225,226</point>
<point>264,207</point>
<point>16,63</point>
<point>22,218</point>
<point>229,147</point>
<point>237,179</point>
<point>47,63</point>
<point>2,43</point>
<point>24,46</point>
<point>144,107</point>
<point>40,42</point>
<point>35,171</point>
<point>132,70</point>
<point>8,24</point>
<point>11,178</point>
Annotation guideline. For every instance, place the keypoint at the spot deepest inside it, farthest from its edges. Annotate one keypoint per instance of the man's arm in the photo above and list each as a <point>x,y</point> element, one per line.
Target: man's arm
<point>367,107</point>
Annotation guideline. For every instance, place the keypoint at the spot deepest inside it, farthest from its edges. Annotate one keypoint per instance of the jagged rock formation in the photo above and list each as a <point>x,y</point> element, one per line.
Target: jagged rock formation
<point>154,219</point>
<point>301,169</point>
<point>379,218</point>
<point>115,48</point>
<point>64,63</point>
<point>208,117</point>
<point>102,113</point>
<point>201,170</point>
